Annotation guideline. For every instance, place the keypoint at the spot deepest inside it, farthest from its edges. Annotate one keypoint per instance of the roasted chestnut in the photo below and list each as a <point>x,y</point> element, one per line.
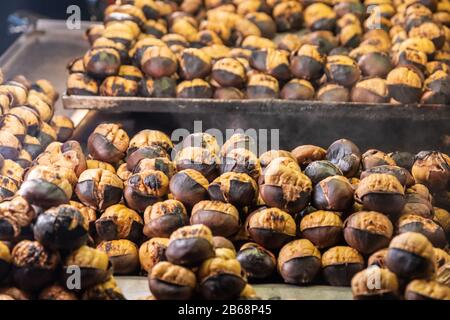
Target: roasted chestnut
<point>24,159</point>
<point>145,188</point>
<point>48,186</point>
<point>202,140</point>
<point>5,261</point>
<point>272,62</point>
<point>189,246</point>
<point>285,187</point>
<point>297,89</point>
<point>373,90</point>
<point>46,134</point>
<point>258,262</point>
<point>199,159</point>
<point>115,86</point>
<point>264,22</point>
<point>425,226</point>
<point>30,118</point>
<point>418,201</point>
<point>195,89</point>
<point>342,70</point>
<point>123,254</point>
<point>241,160</point>
<point>238,189</point>
<point>194,63</point>
<point>411,255</point>
<point>381,192</point>
<point>271,227</point>
<point>402,174</point>
<point>158,61</point>
<point>9,145</point>
<point>108,142</point>
<point>63,126</point>
<point>375,283</point>
<point>442,217</point>
<point>405,84</point>
<point>228,72</point>
<point>299,262</point>
<point>432,169</point>
<point>322,228</point>
<point>333,193</point>
<point>96,164</point>
<point>319,16</point>
<point>305,154</point>
<point>307,63</point>
<point>220,278</point>
<point>427,290</point>
<point>436,88</point>
<point>163,218</point>
<point>374,63</point>
<point>228,93</point>
<point>287,15</point>
<point>317,171</point>
<point>151,252</point>
<point>262,86</point>
<point>61,228</point>
<point>222,218</point>
<point>331,92</point>
<point>441,257</point>
<point>340,264</point>
<point>164,87</point>
<point>18,91</point>
<point>169,281</point>
<point>378,258</point>
<point>368,231</point>
<point>33,266</point>
<point>93,264</point>
<point>89,214</point>
<point>108,290</point>
<point>267,157</point>
<point>16,216</point>
<point>56,292</point>
<point>189,187</point>
<point>119,222</point>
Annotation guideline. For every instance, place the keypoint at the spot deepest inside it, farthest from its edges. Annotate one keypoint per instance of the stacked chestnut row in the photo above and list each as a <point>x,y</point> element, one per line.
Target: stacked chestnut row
<point>372,52</point>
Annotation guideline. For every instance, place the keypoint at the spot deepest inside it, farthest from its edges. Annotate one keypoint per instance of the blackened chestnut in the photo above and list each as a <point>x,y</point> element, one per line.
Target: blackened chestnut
<point>194,63</point>
<point>405,84</point>
<point>442,217</point>
<point>375,283</point>
<point>61,228</point>
<point>411,255</point>
<point>432,169</point>
<point>102,62</point>
<point>16,216</point>
<point>307,63</point>
<point>29,116</point>
<point>81,84</point>
<point>168,281</point>
<point>241,160</point>
<point>288,15</point>
<point>342,70</point>
<point>378,258</point>
<point>151,252</point>
<point>319,16</point>
<point>145,188</point>
<point>158,61</point>
<point>119,222</point>
<point>9,145</point>
<point>164,87</point>
<point>271,227</point>
<point>421,289</point>
<point>332,92</point>
<point>161,164</point>
<point>222,218</point>
<point>262,86</point>
<point>115,86</point>
<point>317,171</point>
<point>340,264</point>
<point>258,262</point>
<point>229,72</point>
<point>425,226</point>
<point>96,164</point>
<point>123,254</point>
<point>238,141</point>
<point>333,193</point>
<point>238,189</point>
<point>418,201</point>
<point>273,62</point>
<point>63,126</point>
<point>441,257</point>
<point>189,187</point>
<point>402,174</point>
<point>163,218</point>
<point>267,157</point>
<point>368,231</point>
<point>194,89</point>
<point>108,142</point>
<point>228,93</point>
<point>299,262</point>
<point>99,189</point>
<point>322,228</point>
<point>190,245</point>
<point>373,90</point>
<point>199,159</point>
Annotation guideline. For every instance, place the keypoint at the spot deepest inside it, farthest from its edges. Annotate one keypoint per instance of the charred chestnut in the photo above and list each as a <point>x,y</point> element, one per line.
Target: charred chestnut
<point>258,262</point>
<point>108,290</point>
<point>115,86</point>
<point>319,16</point>
<point>119,222</point>
<point>228,93</point>
<point>169,281</point>
<point>297,89</point>
<point>148,144</point>
<point>322,228</point>
<point>9,145</point>
<point>267,157</point>
<point>199,159</point>
<point>427,290</point>
<point>63,126</point>
<point>194,63</point>
<point>195,89</point>
<point>262,86</point>
<point>161,164</point>
<point>405,84</point>
<point>288,15</point>
<point>158,61</point>
<point>264,22</point>
<point>402,174</point>
<point>345,155</point>
<point>342,70</point>
<point>334,193</point>
<point>317,171</point>
<point>108,142</point>
<point>81,84</point>
<point>16,216</point>
<point>418,201</point>
<point>307,63</point>
<point>442,217</point>
<point>163,218</point>
<point>241,160</point>
<point>151,252</point>
<point>189,187</point>
<point>202,140</point>
<point>229,72</point>
<point>378,258</point>
<point>432,169</point>
<point>99,189</point>
<point>33,266</point>
<point>238,141</point>
<point>427,227</point>
<point>388,288</point>
<point>436,88</point>
<point>271,227</point>
<point>411,255</point>
<point>61,228</point>
<point>123,254</point>
<point>102,62</point>
<point>272,62</point>
<point>340,264</point>
<point>30,118</point>
<point>238,189</point>
<point>305,154</point>
<point>145,188</point>
<point>222,218</point>
<point>368,231</point>
<point>189,246</point>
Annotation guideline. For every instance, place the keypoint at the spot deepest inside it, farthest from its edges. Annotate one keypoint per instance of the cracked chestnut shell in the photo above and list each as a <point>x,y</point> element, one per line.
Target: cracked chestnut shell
<point>16,216</point>
<point>89,214</point>
<point>56,292</point>
<point>267,157</point>
<point>151,252</point>
<point>33,265</point>
<point>102,62</point>
<point>5,261</point>
<point>96,164</point>
<point>61,228</point>
<point>441,257</point>
<point>81,84</point>
<point>363,287</point>
<point>258,262</point>
<point>164,87</point>
<point>108,290</point>
<point>220,278</point>
<point>158,61</point>
<point>381,192</point>
<point>402,174</point>
<point>411,255</point>
<point>272,62</point>
<point>194,63</point>
<point>317,171</point>
<point>345,155</point>
<point>307,62</point>
<point>163,218</point>
<point>429,228</point>
<point>405,84</point>
<point>168,281</point>
<point>47,186</point>
<point>189,246</point>
<point>229,72</point>
<point>297,89</point>
<point>9,145</point>
<point>123,254</point>
<point>333,193</point>
<point>147,138</point>
<point>94,265</point>
<point>342,70</point>
<point>262,86</point>
<point>299,262</point>
<point>194,89</point>
<point>119,222</point>
<point>241,160</point>
<point>99,188</point>
<point>30,118</point>
<point>340,264</point>
<point>432,169</point>
<point>115,86</point>
<point>63,126</point>
<point>421,289</point>
<point>162,164</point>
<point>239,189</point>
<point>145,188</point>
<point>418,201</point>
<point>373,90</point>
<point>108,142</point>
<point>189,187</point>
<point>222,218</point>
<point>378,258</point>
<point>271,227</point>
<point>368,231</point>
<point>202,140</point>
<point>322,228</point>
<point>306,154</point>
<point>199,159</point>
<point>285,187</point>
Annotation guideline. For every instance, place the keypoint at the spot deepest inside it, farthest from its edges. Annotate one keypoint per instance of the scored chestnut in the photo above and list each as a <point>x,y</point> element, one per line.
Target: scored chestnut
<point>340,264</point>
<point>164,217</point>
<point>368,231</point>
<point>199,159</point>
<point>307,63</point>
<point>317,171</point>
<point>222,218</point>
<point>345,155</point>
<point>108,142</point>
<point>241,160</point>
<point>108,290</point>
<point>333,193</point>
<point>378,258</point>
<point>322,228</point>
<point>239,189</point>
<point>387,289</point>
<point>402,174</point>
<point>151,252</point>
<point>158,61</point>
<point>299,262</point>
<point>194,63</point>
<point>189,187</point>
<point>262,86</point>
<point>16,216</point>
<point>123,254</point>
<point>63,126</point>
<point>422,289</point>
<point>432,169</point>
<point>190,245</point>
<point>430,229</point>
<point>194,89</point>
<point>305,154</point>
<point>258,262</point>
<point>229,72</point>
<point>405,84</point>
<point>168,281</point>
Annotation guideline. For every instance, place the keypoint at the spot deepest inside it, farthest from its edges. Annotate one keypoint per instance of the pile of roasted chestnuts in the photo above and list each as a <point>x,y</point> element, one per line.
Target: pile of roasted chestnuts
<point>205,221</point>
<point>372,51</point>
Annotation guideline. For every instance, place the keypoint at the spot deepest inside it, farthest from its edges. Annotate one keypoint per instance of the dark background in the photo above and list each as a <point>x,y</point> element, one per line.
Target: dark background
<point>54,9</point>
